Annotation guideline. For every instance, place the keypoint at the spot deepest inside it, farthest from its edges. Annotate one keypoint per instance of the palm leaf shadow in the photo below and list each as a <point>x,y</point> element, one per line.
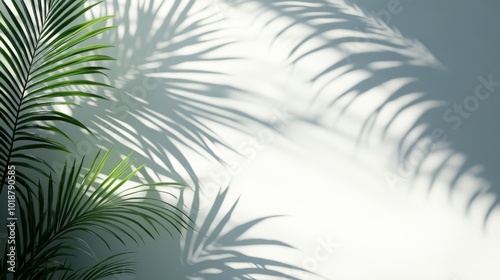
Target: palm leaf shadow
<point>167,93</point>
<point>370,41</point>
<point>414,60</point>
<point>171,112</point>
<point>214,249</point>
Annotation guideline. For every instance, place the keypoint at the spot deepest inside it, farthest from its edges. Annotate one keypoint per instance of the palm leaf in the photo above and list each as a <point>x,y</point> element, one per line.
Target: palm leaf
<point>53,219</point>
<point>42,63</point>
<point>113,265</point>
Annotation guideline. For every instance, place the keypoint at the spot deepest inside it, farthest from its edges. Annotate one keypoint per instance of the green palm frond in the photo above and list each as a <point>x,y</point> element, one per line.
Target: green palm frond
<point>53,220</point>
<point>43,62</point>
<point>113,265</point>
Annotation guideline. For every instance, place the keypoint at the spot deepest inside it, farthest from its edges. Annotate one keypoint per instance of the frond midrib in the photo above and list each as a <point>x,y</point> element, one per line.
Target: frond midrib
<point>22,91</point>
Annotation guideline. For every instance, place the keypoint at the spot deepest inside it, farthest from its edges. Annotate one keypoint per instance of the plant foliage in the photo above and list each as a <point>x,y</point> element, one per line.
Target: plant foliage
<point>43,62</point>
<point>46,63</point>
<point>55,217</point>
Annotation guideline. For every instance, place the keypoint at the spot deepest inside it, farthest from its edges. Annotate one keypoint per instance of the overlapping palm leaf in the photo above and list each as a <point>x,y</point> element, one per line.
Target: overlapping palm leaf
<point>47,62</point>
<point>44,60</point>
<point>57,221</point>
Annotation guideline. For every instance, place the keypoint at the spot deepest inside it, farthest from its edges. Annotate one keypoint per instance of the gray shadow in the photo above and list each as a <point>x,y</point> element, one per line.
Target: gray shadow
<point>214,250</point>
<point>165,94</point>
<point>455,44</point>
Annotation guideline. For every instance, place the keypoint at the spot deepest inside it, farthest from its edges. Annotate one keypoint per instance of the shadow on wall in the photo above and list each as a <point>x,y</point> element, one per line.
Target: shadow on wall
<point>215,250</point>
<point>453,102</point>
<point>168,96</point>
<point>167,88</point>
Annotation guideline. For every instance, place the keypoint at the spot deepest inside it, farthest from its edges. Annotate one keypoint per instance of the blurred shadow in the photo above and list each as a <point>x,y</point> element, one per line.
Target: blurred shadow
<point>215,249</point>
<point>168,95</point>
<point>370,41</point>
<point>425,87</point>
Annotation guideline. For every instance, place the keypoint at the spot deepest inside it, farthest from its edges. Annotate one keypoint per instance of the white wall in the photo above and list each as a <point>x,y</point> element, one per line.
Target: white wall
<point>305,109</point>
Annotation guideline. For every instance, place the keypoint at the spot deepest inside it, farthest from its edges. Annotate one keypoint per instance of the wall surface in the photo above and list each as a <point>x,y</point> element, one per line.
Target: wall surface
<point>321,139</point>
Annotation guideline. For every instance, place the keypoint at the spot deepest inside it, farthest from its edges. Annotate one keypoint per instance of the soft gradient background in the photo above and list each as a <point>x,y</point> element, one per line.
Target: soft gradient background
<point>333,115</point>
